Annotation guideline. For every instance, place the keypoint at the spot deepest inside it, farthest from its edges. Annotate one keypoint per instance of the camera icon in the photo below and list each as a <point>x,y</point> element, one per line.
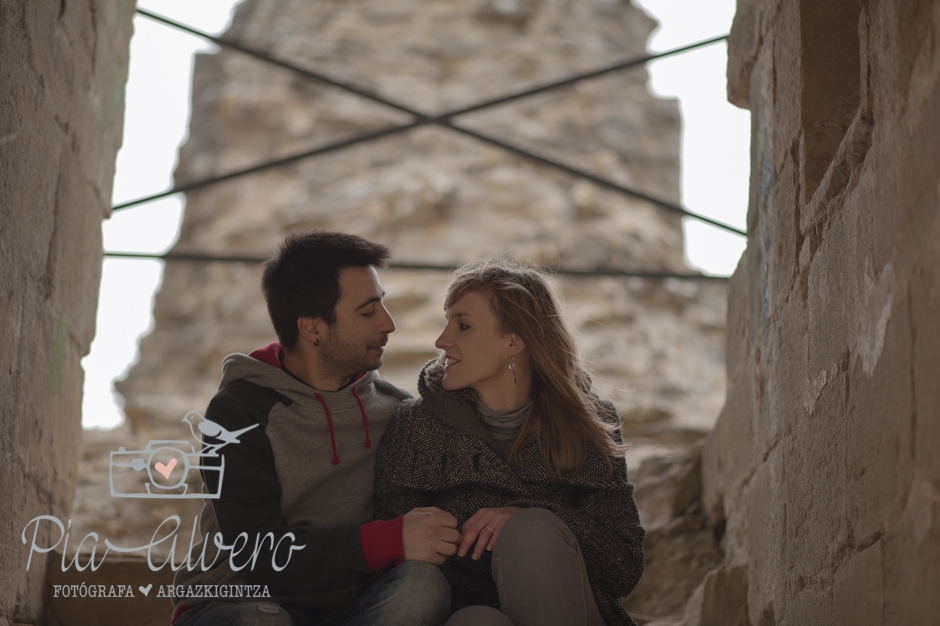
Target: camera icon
<point>164,466</point>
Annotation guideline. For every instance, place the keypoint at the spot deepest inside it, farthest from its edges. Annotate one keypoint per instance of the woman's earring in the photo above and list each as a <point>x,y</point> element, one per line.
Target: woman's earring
<point>316,343</point>
<point>513,370</point>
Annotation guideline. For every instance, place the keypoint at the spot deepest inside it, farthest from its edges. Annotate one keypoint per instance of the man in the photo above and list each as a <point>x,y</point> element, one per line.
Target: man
<point>295,428</point>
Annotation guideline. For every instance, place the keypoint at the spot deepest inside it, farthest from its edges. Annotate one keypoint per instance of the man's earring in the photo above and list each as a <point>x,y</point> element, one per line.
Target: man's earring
<point>316,343</point>
<point>512,369</point>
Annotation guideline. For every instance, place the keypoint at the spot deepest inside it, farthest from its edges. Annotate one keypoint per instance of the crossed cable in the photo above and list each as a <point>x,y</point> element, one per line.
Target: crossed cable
<point>420,119</point>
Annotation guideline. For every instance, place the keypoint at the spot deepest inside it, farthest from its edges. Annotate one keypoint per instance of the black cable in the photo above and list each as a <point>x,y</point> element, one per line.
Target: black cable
<point>622,65</point>
<point>404,265</point>
<point>423,119</point>
<point>323,78</point>
<point>366,93</point>
<point>344,143</point>
<point>603,182</point>
<point>522,152</point>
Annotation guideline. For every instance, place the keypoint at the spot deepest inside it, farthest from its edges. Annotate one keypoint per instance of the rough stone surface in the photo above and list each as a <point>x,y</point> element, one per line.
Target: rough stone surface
<point>62,77</point>
<point>681,547</point>
<point>655,347</point>
<point>822,463</point>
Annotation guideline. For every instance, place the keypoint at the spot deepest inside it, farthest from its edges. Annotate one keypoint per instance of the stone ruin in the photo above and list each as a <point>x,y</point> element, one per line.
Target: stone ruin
<point>655,347</point>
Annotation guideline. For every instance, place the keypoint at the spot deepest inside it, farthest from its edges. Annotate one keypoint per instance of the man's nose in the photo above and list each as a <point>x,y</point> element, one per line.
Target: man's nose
<point>388,323</point>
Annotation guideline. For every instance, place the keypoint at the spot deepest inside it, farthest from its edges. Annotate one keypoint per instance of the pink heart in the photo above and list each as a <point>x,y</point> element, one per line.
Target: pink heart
<point>165,469</point>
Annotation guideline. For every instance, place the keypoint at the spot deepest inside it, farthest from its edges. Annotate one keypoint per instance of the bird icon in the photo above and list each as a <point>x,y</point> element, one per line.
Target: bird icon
<point>208,428</point>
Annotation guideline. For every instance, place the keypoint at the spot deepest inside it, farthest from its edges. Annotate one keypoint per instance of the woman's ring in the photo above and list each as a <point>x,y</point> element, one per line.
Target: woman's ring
<point>489,529</point>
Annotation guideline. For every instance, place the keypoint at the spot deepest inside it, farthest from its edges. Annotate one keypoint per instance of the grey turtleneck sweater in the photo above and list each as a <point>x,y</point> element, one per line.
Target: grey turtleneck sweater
<point>503,426</point>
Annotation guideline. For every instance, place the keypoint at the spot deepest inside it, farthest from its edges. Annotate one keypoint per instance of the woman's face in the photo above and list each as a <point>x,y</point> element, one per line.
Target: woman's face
<point>475,353</point>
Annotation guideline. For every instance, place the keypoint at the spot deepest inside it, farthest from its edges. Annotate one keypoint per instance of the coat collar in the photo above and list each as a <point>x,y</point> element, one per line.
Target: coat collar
<point>455,408</point>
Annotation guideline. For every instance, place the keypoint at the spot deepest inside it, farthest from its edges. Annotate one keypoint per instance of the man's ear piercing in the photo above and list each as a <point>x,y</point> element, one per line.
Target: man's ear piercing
<point>316,343</point>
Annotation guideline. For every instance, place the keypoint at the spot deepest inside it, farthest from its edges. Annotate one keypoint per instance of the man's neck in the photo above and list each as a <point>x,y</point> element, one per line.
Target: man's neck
<point>307,369</point>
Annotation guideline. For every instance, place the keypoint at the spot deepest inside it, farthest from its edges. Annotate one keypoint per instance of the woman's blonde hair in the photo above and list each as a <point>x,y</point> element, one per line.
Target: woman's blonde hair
<point>564,415</point>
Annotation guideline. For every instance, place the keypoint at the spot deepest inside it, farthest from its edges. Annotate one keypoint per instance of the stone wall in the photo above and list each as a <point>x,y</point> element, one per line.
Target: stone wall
<point>62,77</point>
<point>823,464</point>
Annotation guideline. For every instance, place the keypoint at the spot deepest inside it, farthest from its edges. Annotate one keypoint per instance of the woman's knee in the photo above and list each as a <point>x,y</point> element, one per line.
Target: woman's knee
<point>533,528</point>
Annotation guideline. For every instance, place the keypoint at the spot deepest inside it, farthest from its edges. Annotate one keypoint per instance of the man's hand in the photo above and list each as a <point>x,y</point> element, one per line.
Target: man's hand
<point>429,534</point>
<point>485,525</point>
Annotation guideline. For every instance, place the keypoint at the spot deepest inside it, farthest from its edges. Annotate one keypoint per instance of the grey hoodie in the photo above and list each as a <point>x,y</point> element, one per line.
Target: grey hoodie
<point>307,469</point>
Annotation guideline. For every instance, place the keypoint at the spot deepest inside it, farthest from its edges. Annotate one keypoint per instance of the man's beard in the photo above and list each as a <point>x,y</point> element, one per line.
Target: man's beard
<point>347,358</point>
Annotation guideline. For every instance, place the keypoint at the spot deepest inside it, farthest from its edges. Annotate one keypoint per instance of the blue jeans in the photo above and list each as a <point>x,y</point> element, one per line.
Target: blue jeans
<point>412,594</point>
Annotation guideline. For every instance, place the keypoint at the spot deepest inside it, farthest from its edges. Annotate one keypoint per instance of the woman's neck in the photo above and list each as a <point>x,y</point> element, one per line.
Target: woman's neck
<point>507,395</point>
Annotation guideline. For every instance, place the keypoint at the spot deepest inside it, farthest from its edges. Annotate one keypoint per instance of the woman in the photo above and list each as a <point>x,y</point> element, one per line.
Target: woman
<point>508,438</point>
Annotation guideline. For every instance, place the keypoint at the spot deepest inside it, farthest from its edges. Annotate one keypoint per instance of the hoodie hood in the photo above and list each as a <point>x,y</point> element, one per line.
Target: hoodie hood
<point>263,368</point>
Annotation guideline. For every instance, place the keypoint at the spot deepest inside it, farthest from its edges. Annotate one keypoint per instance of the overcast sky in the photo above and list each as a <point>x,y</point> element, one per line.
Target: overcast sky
<point>715,164</point>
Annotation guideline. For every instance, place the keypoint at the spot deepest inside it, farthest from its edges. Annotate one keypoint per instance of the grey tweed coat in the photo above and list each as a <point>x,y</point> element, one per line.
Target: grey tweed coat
<point>436,452</point>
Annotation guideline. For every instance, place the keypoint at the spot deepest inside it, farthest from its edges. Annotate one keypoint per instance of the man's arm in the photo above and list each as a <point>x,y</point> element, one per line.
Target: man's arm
<point>249,515</point>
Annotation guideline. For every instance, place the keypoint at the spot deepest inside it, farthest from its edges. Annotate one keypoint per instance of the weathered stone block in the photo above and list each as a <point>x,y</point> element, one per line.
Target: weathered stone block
<point>737,352</point>
<point>743,48</point>
<point>758,522</point>
<point>721,600</point>
<point>833,287</point>
<point>814,459</point>
<point>783,240</point>
<point>859,589</point>
<point>785,383</point>
<point>75,273</point>
<point>810,606</point>
<point>727,462</point>
<point>785,45</point>
<point>762,181</point>
<point>911,551</point>
<point>925,354</point>
<point>879,463</point>
<point>678,557</point>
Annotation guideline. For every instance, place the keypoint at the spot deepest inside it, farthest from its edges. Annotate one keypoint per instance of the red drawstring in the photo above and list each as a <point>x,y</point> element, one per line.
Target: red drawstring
<point>365,422</point>
<point>329,421</point>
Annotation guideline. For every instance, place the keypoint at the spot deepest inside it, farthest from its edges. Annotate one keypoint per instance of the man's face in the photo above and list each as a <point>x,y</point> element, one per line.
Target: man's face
<point>356,342</point>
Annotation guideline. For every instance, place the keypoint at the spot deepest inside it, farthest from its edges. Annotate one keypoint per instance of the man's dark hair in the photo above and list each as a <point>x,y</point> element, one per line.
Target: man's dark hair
<point>301,279</point>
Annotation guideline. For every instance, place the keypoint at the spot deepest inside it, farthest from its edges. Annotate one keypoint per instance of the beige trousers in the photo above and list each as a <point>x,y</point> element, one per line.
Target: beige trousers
<point>539,572</point>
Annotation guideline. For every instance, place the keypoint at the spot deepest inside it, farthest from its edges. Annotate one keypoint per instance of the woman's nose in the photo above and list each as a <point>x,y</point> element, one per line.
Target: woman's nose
<point>442,343</point>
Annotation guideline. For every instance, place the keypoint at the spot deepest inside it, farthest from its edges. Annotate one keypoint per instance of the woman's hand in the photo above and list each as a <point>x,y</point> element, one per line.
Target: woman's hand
<point>485,526</point>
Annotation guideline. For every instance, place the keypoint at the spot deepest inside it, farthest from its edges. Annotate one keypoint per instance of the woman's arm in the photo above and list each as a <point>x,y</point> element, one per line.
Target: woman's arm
<point>394,469</point>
